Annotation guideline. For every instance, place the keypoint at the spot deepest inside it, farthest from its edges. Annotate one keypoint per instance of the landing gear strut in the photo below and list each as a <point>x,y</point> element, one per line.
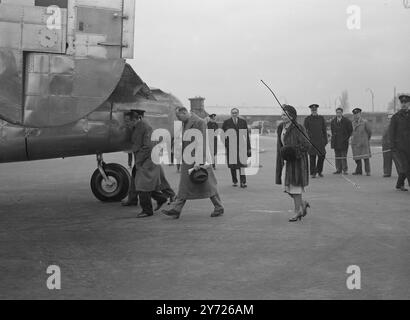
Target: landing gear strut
<point>110,182</point>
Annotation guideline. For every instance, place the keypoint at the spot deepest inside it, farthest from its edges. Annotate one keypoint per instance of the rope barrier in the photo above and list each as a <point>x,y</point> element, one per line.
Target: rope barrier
<point>360,156</point>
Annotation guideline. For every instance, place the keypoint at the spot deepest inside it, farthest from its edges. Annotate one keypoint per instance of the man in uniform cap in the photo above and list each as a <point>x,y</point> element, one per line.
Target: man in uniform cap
<point>341,132</point>
<point>315,126</point>
<point>400,140</point>
<point>148,178</point>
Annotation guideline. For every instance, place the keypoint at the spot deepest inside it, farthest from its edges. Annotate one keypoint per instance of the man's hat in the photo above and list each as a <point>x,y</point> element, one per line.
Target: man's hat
<point>357,110</point>
<point>340,109</point>
<point>199,177</point>
<point>404,98</point>
<point>314,106</point>
<point>135,111</point>
<point>213,115</point>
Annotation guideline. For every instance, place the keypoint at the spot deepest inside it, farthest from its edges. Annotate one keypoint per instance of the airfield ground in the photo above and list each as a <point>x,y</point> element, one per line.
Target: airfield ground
<point>48,216</point>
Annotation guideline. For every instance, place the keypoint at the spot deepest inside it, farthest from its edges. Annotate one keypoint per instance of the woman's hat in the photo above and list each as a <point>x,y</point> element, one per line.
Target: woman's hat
<point>199,176</point>
<point>288,153</point>
<point>291,111</point>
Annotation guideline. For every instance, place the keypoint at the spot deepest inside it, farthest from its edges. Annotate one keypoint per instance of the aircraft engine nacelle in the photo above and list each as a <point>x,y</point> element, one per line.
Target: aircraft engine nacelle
<point>60,60</point>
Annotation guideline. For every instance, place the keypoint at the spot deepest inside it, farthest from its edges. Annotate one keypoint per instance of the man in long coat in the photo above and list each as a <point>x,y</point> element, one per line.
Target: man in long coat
<point>362,133</point>
<point>240,149</point>
<point>342,129</point>
<point>187,189</point>
<point>147,176</point>
<point>316,128</point>
<point>400,139</point>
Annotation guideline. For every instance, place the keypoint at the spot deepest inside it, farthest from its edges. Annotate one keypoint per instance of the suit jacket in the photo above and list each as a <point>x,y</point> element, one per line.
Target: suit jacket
<point>341,133</point>
<point>242,139</point>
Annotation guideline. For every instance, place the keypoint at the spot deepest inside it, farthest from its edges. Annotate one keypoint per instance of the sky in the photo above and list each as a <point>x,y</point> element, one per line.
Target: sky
<point>221,49</point>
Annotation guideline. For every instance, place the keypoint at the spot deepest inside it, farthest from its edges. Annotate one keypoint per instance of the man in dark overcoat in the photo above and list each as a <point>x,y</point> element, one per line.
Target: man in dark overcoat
<point>342,130</point>
<point>400,139</point>
<point>238,150</point>
<point>188,190</point>
<point>147,175</point>
<point>316,128</point>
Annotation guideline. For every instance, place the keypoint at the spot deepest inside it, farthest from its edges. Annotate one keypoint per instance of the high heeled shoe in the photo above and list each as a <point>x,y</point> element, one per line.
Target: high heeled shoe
<point>306,206</point>
<point>297,218</point>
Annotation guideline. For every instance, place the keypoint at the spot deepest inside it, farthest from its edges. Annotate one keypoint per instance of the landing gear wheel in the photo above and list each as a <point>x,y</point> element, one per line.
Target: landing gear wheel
<point>117,186</point>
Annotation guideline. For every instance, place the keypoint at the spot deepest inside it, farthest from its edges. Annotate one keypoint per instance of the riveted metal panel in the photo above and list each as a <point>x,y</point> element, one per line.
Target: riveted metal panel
<point>68,89</point>
<point>128,29</point>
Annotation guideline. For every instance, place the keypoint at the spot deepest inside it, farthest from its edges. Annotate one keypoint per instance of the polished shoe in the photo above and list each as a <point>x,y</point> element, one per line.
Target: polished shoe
<point>337,172</point>
<point>244,185</point>
<point>235,185</point>
<point>402,189</point>
<point>387,176</point>
<point>160,205</point>
<point>313,176</point>
<point>368,174</point>
<point>143,215</point>
<point>357,174</point>
<point>216,214</point>
<point>172,213</point>
<point>345,173</point>
<point>320,175</point>
<point>306,206</point>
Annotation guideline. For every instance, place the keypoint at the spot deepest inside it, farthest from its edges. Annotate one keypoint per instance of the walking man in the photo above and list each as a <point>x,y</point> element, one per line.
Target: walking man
<point>237,151</point>
<point>188,190</point>
<point>315,126</point>
<point>147,176</point>
<point>362,133</point>
<point>342,129</point>
<point>400,140</point>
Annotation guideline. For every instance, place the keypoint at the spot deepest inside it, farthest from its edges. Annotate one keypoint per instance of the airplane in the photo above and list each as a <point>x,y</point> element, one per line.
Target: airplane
<point>65,85</point>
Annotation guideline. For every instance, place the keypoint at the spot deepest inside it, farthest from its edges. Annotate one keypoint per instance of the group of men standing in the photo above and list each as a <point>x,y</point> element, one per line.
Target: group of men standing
<point>396,142</point>
<point>342,130</point>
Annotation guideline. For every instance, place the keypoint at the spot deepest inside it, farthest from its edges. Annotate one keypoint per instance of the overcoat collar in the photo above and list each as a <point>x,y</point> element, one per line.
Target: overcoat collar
<point>358,123</point>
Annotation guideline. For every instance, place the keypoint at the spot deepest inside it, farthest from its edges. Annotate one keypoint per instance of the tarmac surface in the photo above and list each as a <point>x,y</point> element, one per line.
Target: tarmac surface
<point>48,216</point>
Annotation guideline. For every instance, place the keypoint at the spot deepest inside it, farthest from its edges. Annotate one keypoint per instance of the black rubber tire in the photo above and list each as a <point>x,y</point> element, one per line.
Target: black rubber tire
<point>117,173</point>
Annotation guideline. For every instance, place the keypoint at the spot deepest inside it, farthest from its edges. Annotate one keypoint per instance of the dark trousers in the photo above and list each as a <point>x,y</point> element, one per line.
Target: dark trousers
<point>359,166</point>
<point>341,160</point>
<point>316,167</point>
<point>387,163</point>
<point>401,168</point>
<point>179,204</point>
<point>146,203</point>
<point>234,174</point>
